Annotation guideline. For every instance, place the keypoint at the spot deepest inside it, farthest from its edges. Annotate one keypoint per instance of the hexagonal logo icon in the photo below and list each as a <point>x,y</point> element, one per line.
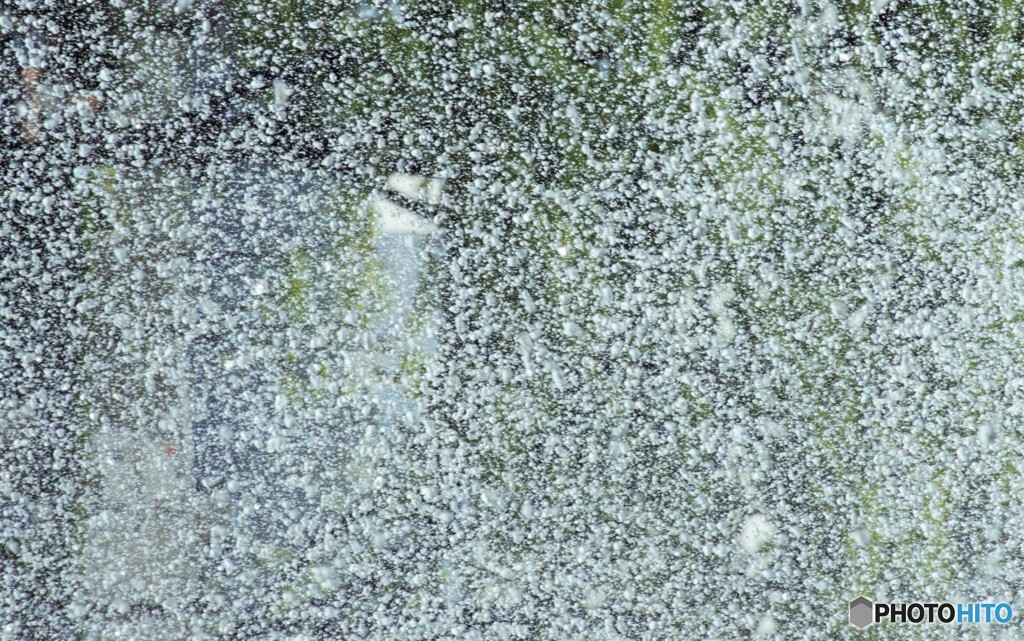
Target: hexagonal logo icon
<point>861,615</point>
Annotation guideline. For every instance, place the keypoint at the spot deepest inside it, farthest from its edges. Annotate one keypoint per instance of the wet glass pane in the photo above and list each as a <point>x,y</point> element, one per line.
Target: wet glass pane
<point>592,320</point>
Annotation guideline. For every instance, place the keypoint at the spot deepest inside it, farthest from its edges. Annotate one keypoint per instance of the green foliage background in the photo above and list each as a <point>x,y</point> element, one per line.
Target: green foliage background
<point>698,263</point>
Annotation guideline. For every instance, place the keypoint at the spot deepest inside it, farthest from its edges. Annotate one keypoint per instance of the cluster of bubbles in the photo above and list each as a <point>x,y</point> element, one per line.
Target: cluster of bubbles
<point>603,320</point>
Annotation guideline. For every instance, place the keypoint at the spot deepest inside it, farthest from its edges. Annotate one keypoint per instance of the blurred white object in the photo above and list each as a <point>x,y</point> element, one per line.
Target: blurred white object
<point>282,94</point>
<point>417,187</point>
<point>757,533</point>
<point>397,220</point>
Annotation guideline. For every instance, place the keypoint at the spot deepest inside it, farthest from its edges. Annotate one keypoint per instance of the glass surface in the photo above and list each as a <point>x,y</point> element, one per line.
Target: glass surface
<point>530,320</point>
